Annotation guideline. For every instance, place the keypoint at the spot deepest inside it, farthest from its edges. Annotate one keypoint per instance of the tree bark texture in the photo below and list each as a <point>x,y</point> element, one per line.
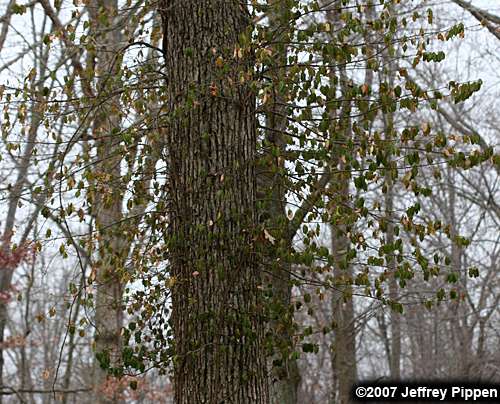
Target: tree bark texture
<point>211,151</point>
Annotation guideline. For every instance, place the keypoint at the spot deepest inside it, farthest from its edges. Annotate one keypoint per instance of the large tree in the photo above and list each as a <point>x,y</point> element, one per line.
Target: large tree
<point>211,150</point>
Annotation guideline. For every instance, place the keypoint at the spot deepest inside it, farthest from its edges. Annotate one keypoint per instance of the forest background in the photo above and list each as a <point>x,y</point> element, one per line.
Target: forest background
<point>343,227</point>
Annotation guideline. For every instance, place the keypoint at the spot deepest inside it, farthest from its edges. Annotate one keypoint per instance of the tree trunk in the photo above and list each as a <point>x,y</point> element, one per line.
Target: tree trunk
<point>107,199</point>
<point>344,365</point>
<point>7,273</point>
<point>459,312</point>
<point>395,357</point>
<point>211,147</point>
<point>271,192</point>
<point>344,349</point>
<point>395,317</point>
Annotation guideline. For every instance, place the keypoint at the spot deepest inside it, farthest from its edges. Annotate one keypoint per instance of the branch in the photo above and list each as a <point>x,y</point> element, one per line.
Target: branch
<point>7,391</point>
<point>469,7</point>
<point>460,125</point>
<point>5,20</point>
<point>307,205</point>
<point>74,57</point>
<point>485,18</point>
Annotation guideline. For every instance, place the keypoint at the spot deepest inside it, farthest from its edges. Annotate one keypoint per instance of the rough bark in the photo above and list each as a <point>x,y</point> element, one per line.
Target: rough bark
<point>211,147</point>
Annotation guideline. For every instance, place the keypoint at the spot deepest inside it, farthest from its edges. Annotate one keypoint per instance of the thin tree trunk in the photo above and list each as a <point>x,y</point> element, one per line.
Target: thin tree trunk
<point>271,191</point>
<point>395,317</point>
<point>107,199</point>
<point>463,330</point>
<point>211,146</point>
<point>71,351</point>
<point>344,349</point>
<point>6,274</point>
<point>344,365</point>
<point>26,379</point>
